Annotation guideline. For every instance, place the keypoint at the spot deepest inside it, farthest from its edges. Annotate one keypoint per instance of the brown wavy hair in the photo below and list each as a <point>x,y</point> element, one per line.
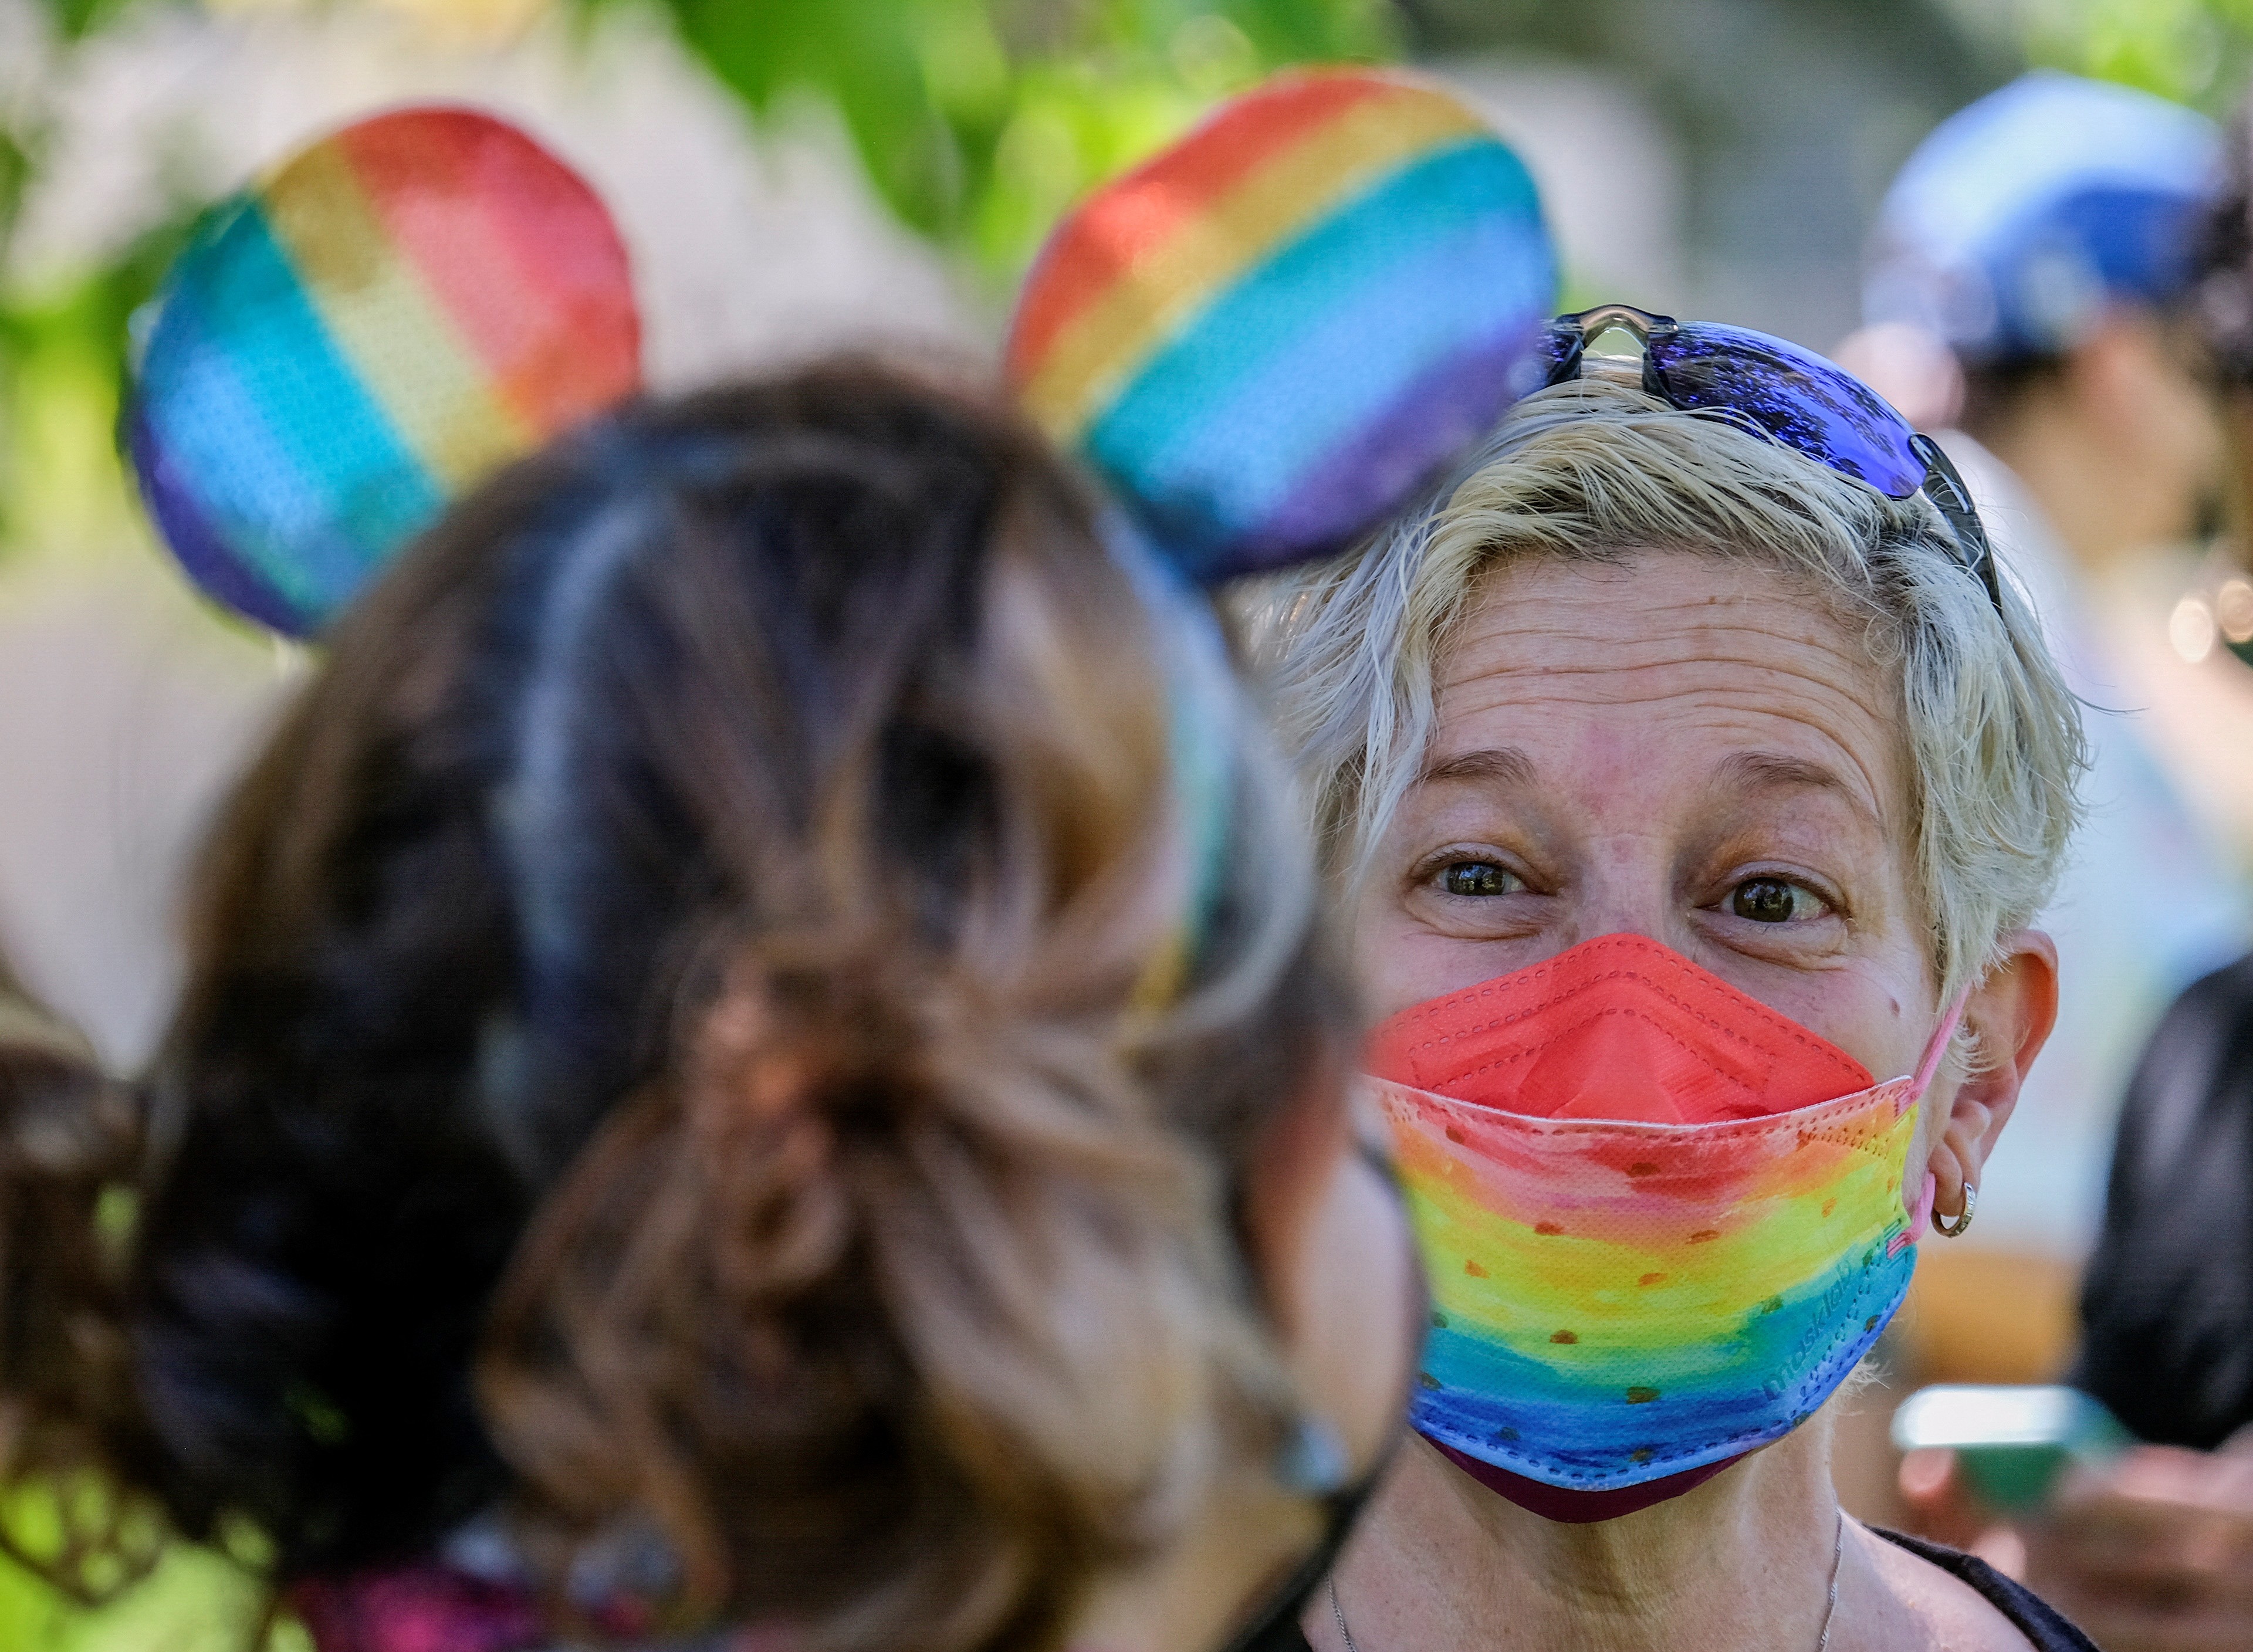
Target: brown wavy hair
<point>668,1052</point>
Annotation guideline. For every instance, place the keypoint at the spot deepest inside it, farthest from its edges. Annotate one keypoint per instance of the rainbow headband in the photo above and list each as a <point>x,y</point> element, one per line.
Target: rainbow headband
<point>1268,337</point>
<point>1263,342</point>
<point>366,333</point>
<point>1203,738</point>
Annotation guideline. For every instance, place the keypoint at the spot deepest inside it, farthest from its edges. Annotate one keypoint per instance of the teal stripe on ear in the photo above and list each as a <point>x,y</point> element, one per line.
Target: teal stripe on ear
<point>292,461</point>
<point>1271,336</point>
<point>1318,342</point>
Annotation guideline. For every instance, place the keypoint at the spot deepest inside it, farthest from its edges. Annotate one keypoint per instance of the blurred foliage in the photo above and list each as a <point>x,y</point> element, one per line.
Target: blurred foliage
<point>981,120</point>
<point>63,346</point>
<point>62,368</point>
<point>2198,51</point>
<point>73,19</point>
<point>197,1600</point>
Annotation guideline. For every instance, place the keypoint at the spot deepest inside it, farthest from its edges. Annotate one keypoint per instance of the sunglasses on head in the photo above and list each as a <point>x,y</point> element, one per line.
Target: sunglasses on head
<point>1790,395</point>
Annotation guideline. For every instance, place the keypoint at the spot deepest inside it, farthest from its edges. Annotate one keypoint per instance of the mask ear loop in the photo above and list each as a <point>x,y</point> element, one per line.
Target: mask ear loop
<point>1928,1069</point>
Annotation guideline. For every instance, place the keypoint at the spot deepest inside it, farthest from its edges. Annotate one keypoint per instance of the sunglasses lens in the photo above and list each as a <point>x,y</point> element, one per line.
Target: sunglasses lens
<point>1793,394</point>
<point>1558,353</point>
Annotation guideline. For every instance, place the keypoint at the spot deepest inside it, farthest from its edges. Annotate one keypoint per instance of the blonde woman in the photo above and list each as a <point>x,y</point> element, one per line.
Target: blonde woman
<point>1691,776</point>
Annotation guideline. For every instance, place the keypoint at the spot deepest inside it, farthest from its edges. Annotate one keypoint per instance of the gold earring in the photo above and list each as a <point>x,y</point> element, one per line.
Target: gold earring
<point>1948,1228</point>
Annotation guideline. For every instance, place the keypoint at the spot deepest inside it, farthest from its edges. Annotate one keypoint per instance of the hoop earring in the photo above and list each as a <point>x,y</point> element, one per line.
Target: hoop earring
<point>1948,1228</point>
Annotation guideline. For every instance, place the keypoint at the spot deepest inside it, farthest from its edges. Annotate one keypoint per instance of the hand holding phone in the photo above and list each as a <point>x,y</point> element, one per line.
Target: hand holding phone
<point>2149,1547</point>
<point>2010,1444</point>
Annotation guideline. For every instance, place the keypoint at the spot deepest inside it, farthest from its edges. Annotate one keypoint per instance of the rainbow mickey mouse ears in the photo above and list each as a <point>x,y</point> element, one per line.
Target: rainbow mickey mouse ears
<point>1267,337</point>
<point>362,336</point>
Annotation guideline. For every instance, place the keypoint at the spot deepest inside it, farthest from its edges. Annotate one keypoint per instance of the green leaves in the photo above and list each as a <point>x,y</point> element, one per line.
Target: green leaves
<point>72,19</point>
<point>980,121</point>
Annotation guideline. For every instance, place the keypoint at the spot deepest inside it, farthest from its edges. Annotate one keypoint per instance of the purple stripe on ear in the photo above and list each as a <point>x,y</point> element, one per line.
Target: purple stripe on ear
<point>1448,409</point>
<point>179,516</point>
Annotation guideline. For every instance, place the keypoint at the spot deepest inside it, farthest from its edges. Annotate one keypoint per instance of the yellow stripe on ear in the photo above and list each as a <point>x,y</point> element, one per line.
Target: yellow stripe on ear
<point>1099,348</point>
<point>417,368</point>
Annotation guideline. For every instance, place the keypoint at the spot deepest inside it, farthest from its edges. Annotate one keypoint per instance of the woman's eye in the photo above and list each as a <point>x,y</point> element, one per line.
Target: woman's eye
<point>1479,878</point>
<point>1774,901</point>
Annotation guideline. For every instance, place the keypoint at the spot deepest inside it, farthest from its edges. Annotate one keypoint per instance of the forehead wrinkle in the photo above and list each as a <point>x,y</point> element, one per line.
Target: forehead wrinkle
<point>1605,583</point>
<point>1748,651</point>
<point>1618,683</point>
<point>1561,651</point>
<point>1515,643</point>
<point>1573,601</point>
<point>1781,693</point>
<point>1589,617</point>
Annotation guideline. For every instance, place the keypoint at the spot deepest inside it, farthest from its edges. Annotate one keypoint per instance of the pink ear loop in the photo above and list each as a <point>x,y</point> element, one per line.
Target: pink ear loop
<point>1920,1214</point>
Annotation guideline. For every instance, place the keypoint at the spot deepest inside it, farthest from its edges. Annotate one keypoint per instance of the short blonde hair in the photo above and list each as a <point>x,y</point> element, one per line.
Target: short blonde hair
<point>1594,470</point>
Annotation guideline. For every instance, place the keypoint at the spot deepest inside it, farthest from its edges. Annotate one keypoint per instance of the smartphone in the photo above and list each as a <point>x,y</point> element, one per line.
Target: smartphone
<point>2011,1443</point>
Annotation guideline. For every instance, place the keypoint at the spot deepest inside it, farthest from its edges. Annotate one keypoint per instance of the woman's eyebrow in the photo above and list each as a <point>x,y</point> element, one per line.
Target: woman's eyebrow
<point>1507,764</point>
<point>1778,771</point>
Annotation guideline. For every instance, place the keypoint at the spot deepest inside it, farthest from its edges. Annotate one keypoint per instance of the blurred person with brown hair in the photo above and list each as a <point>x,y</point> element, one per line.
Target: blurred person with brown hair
<point>2029,280</point>
<point>757,1066</point>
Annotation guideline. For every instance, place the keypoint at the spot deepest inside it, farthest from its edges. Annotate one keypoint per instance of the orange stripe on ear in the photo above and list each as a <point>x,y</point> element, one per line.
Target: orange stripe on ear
<point>381,315</point>
<point>517,249</point>
<point>1160,284</point>
<point>1148,206</point>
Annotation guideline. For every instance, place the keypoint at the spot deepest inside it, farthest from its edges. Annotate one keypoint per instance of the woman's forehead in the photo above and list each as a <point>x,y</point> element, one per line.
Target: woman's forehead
<point>1665,666</point>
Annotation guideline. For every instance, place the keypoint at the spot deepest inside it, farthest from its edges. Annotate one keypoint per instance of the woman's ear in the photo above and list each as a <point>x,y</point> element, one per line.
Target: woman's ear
<point>2010,1013</point>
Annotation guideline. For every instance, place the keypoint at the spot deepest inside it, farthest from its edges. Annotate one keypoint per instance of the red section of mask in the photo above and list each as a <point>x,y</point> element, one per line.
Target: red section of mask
<point>1616,1027</point>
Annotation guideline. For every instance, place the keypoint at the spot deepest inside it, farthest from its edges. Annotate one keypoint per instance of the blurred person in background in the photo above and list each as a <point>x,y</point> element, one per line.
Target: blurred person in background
<point>2030,282</point>
<point>2153,1552</point>
<point>755,1055</point>
<point>1690,792</point>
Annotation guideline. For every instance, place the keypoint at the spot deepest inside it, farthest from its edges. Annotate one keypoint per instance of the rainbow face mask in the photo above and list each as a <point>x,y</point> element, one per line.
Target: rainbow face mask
<point>1662,1222</point>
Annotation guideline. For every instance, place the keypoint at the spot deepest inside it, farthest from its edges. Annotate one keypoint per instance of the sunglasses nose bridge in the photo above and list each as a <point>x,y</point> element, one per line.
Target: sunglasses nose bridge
<point>1570,336</point>
<point>1593,324</point>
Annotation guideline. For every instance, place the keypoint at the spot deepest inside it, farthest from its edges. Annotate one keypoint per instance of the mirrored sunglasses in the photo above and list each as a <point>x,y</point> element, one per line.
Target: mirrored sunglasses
<point>1789,395</point>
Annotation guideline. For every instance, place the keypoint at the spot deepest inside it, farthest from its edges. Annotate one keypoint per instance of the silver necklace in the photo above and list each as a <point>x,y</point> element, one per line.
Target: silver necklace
<point>1831,1607</point>
<point>1338,1612</point>
<point>1822,1643</point>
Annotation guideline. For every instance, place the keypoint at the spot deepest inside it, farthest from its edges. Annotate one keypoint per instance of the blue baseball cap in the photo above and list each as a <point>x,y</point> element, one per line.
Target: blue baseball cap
<point>2024,215</point>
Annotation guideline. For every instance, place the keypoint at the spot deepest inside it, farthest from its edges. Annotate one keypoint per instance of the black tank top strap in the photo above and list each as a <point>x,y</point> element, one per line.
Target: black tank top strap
<point>2036,1619</point>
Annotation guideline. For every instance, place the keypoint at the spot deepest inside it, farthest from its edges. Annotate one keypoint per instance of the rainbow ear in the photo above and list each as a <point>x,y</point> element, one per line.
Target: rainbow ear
<point>1265,339</point>
<point>362,336</point>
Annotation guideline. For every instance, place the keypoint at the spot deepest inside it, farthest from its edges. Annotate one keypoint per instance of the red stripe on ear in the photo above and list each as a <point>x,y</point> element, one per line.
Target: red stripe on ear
<point>1139,213</point>
<point>518,250</point>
